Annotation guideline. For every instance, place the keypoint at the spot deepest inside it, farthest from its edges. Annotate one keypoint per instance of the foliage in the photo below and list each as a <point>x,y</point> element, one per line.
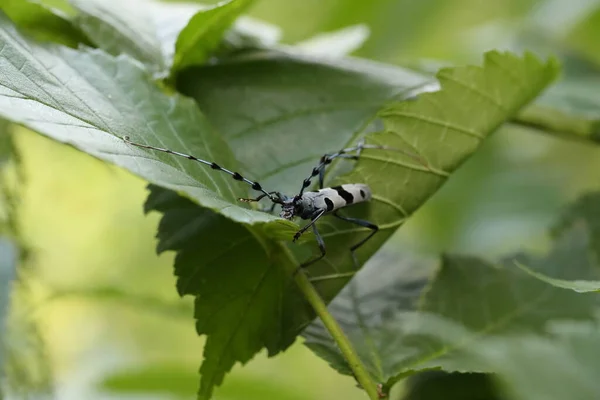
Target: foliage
<point>477,299</point>
<point>195,80</point>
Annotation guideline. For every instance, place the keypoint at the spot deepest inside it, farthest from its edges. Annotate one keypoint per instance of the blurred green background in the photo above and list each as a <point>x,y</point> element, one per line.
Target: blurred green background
<point>105,306</point>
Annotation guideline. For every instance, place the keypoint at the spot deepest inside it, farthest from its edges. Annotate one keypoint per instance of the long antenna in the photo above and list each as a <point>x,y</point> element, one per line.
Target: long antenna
<point>344,153</point>
<point>213,165</point>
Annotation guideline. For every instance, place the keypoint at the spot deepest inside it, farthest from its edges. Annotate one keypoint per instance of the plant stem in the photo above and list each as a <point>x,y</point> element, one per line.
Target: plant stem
<point>554,122</point>
<point>340,338</point>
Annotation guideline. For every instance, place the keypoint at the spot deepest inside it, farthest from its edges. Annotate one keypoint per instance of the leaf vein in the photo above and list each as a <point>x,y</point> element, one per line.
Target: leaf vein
<point>477,91</point>
<point>434,121</point>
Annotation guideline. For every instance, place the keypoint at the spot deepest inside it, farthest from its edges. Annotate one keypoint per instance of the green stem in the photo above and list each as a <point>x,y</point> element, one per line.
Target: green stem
<point>555,122</point>
<point>340,338</point>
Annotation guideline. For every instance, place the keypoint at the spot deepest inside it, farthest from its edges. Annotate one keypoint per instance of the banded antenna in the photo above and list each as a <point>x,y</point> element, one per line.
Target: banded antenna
<point>235,175</point>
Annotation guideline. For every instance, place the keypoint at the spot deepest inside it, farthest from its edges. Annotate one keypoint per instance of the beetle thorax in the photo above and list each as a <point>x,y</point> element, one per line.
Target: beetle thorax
<point>299,206</point>
<point>305,206</point>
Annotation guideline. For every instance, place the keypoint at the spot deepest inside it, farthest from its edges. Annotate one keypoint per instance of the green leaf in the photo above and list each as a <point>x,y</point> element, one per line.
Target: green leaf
<point>205,31</point>
<point>478,298</point>
<point>442,126</point>
<point>131,27</point>
<point>43,22</point>
<point>279,113</point>
<point>557,366</point>
<point>91,100</point>
<point>165,36</point>
<point>564,366</point>
<point>491,299</point>
<point>290,110</point>
<point>367,310</point>
<point>241,306</point>
<point>277,100</point>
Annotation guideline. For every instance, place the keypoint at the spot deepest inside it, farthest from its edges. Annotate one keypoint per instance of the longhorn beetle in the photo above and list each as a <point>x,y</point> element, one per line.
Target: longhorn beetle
<point>310,205</point>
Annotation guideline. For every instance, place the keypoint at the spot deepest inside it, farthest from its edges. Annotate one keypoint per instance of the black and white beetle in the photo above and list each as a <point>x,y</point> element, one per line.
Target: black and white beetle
<point>308,205</point>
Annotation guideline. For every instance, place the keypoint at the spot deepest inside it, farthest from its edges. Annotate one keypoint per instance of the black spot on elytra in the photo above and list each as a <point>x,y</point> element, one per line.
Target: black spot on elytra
<point>347,196</point>
<point>329,204</point>
<point>362,193</point>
